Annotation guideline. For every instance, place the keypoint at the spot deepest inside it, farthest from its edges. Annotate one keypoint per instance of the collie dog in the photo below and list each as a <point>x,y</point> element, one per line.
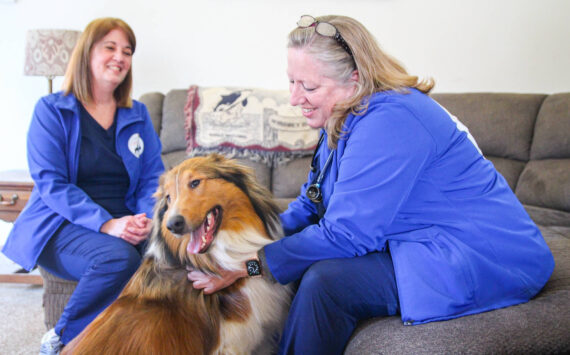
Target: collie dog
<point>210,216</point>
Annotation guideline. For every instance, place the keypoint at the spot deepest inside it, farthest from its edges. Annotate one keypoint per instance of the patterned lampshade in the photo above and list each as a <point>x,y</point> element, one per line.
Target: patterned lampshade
<point>48,51</point>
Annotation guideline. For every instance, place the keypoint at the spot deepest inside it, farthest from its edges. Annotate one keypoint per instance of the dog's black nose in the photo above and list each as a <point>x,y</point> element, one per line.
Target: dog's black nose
<point>176,224</point>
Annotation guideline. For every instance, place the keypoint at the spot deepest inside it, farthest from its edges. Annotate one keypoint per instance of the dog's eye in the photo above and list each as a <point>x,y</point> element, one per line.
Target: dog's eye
<point>194,183</point>
<point>167,198</point>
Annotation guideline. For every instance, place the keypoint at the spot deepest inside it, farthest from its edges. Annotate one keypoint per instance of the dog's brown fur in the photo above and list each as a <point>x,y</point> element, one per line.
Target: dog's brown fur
<point>159,312</point>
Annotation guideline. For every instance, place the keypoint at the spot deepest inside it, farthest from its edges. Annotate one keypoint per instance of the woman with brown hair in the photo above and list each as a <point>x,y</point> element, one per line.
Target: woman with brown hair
<point>401,213</point>
<point>95,160</point>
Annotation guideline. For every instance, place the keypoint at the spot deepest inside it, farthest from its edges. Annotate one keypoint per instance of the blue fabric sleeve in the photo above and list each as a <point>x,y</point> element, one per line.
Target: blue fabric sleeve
<point>152,167</point>
<point>48,150</point>
<point>378,164</point>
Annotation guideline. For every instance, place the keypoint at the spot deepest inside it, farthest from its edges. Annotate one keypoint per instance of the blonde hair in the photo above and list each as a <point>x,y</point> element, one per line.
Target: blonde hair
<point>78,79</point>
<point>377,71</point>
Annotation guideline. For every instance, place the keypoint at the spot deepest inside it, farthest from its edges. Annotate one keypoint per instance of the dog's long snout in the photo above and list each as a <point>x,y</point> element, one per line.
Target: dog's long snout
<point>176,224</point>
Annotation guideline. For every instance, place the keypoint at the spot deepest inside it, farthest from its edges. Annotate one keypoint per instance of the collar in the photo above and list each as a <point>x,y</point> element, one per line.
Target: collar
<point>125,115</point>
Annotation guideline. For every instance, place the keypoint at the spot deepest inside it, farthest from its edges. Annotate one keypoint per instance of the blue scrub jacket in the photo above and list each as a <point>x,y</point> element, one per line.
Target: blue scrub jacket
<point>54,138</point>
<point>407,177</point>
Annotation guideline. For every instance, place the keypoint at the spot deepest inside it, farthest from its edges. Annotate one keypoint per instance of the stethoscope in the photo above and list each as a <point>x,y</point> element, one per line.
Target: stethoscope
<point>314,190</point>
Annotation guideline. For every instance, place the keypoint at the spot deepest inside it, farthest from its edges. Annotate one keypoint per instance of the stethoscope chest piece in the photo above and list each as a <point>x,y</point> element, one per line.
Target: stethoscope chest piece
<point>314,190</point>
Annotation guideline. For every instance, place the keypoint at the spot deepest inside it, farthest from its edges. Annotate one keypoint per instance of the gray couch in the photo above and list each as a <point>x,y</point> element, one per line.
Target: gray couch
<point>527,137</point>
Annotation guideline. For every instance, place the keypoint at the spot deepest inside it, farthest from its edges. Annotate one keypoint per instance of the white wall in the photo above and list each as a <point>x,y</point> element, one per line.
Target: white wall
<point>483,45</point>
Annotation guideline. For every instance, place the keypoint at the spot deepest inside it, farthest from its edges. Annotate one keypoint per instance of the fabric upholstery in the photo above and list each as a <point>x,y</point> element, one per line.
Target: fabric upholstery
<point>548,216</point>
<point>172,130</point>
<point>552,132</point>
<point>262,172</point>
<point>545,183</point>
<point>256,124</point>
<point>536,327</point>
<point>509,168</point>
<point>287,178</point>
<point>502,124</point>
<point>171,159</point>
<point>153,102</point>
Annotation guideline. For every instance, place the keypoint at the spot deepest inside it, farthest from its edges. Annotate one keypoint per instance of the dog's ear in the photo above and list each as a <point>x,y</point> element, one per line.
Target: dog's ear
<point>159,193</point>
<point>261,198</point>
<point>157,239</point>
<point>160,206</point>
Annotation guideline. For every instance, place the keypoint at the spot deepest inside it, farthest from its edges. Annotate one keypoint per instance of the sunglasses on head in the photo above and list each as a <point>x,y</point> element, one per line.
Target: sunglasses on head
<point>324,29</point>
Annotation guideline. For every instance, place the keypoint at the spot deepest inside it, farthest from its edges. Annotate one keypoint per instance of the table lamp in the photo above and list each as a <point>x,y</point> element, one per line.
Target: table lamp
<point>48,51</point>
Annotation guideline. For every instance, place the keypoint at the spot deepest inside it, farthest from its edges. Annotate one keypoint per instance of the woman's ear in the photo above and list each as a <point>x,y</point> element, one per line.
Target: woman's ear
<point>354,76</point>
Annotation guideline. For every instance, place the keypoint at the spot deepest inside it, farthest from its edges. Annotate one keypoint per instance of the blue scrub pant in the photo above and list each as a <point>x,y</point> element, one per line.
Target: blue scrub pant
<point>102,264</point>
<point>332,297</point>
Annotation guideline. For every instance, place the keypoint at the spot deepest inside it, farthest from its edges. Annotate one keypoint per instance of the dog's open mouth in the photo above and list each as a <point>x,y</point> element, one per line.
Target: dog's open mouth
<point>201,238</point>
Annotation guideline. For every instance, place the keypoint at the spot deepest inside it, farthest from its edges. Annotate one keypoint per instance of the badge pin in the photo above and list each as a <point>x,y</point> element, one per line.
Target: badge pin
<point>136,145</point>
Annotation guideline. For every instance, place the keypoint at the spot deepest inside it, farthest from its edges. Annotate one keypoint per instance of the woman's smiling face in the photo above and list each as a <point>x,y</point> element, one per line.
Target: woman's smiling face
<point>315,93</point>
<point>111,59</point>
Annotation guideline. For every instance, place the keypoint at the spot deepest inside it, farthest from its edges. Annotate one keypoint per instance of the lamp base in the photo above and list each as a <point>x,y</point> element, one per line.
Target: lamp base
<point>50,84</point>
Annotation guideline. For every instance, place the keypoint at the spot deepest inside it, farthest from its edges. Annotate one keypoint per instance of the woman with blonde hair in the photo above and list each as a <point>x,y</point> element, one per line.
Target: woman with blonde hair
<point>95,160</point>
<point>401,214</point>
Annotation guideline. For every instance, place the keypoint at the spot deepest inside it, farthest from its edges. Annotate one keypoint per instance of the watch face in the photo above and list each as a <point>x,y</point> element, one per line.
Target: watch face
<point>253,268</point>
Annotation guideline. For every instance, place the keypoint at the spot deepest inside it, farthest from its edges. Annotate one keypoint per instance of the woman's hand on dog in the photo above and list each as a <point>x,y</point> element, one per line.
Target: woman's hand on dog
<point>213,283</point>
<point>133,229</point>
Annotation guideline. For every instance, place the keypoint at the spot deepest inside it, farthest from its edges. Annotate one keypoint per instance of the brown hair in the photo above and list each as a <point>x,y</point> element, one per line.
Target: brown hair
<point>78,78</point>
<point>377,71</point>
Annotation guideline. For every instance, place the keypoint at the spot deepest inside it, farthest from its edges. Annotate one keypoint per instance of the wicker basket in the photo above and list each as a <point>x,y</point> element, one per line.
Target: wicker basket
<point>56,294</point>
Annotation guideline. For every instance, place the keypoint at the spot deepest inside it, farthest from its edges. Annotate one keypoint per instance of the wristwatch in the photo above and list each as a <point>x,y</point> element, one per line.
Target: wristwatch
<point>253,267</point>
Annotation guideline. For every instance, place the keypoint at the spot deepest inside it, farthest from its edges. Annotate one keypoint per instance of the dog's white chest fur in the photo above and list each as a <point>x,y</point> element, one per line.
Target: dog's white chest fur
<point>269,301</point>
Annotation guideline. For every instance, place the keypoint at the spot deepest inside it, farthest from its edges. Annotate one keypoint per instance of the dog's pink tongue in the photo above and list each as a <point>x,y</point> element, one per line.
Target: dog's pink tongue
<point>195,244</point>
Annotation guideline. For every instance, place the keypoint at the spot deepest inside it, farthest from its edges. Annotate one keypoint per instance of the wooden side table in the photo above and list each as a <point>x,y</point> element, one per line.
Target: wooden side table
<point>15,189</point>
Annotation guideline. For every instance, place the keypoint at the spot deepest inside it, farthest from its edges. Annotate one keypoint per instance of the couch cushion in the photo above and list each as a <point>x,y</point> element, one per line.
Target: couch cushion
<point>558,239</point>
<point>283,203</point>
<point>172,130</point>
<point>539,326</point>
<point>262,172</point>
<point>153,102</point>
<point>552,132</point>
<point>548,216</point>
<point>546,183</point>
<point>287,178</point>
<point>509,168</point>
<point>502,124</point>
<point>171,159</point>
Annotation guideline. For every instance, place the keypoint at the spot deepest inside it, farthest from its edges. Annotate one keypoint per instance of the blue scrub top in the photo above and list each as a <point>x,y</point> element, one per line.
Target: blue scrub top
<point>101,172</point>
<point>53,145</point>
<point>407,177</point>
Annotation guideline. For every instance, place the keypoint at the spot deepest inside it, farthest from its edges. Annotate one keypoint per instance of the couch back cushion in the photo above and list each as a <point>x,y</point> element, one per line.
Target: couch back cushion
<point>172,130</point>
<point>545,180</point>
<point>502,124</point>
<point>287,178</point>
<point>552,130</point>
<point>153,102</point>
